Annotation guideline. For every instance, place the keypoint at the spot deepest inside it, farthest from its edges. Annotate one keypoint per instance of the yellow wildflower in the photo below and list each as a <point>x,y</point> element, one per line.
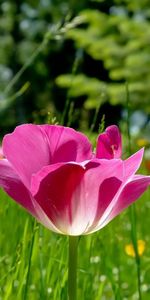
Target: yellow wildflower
<point>142,142</point>
<point>129,249</point>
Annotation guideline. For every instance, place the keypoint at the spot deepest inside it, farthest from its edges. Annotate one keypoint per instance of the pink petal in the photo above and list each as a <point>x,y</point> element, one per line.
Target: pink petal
<point>13,186</point>
<point>66,144</point>
<point>131,192</point>
<point>30,147</point>
<point>69,193</point>
<point>109,143</point>
<point>54,186</point>
<point>27,150</point>
<point>43,218</point>
<point>132,164</point>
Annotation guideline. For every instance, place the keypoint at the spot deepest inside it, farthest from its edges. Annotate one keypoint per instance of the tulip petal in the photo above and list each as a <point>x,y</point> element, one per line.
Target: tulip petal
<point>42,217</point>
<point>132,164</point>
<point>55,185</point>
<point>69,196</point>
<point>27,150</point>
<point>109,144</point>
<point>67,144</point>
<point>30,147</point>
<point>13,186</point>
<point>131,192</point>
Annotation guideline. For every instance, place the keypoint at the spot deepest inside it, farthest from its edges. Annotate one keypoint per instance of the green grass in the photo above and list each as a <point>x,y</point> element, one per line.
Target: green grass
<point>33,260</point>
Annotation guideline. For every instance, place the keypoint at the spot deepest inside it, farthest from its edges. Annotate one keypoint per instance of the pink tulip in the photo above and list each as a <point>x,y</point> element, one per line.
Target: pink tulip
<point>109,144</point>
<point>51,171</point>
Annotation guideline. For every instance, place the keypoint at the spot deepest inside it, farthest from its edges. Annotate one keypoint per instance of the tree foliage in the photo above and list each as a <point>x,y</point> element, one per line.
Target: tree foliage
<point>49,51</point>
<point>120,42</point>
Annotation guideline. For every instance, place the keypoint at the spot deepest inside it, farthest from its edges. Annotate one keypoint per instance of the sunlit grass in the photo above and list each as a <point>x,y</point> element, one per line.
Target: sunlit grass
<point>33,260</point>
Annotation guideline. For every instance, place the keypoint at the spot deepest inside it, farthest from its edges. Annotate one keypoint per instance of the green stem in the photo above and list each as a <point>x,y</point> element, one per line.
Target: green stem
<point>30,258</point>
<point>72,268</point>
<point>135,246</point>
<point>132,208</point>
<point>73,73</point>
<point>24,67</point>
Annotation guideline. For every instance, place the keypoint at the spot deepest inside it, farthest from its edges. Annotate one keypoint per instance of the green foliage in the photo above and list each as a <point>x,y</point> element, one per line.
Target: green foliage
<point>40,43</point>
<point>135,5</point>
<point>81,85</point>
<point>33,260</point>
<point>121,43</point>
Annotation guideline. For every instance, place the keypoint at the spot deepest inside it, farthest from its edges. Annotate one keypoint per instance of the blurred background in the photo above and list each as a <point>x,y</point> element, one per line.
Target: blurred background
<point>75,63</point>
<point>85,64</point>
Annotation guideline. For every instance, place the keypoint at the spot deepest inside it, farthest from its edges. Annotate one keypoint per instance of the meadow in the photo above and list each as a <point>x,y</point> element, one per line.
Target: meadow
<point>83,64</point>
<point>33,260</point>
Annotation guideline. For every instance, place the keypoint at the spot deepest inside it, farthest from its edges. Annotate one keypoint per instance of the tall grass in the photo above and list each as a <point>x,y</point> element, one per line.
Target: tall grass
<point>33,260</point>
<point>104,269</point>
<point>132,208</point>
